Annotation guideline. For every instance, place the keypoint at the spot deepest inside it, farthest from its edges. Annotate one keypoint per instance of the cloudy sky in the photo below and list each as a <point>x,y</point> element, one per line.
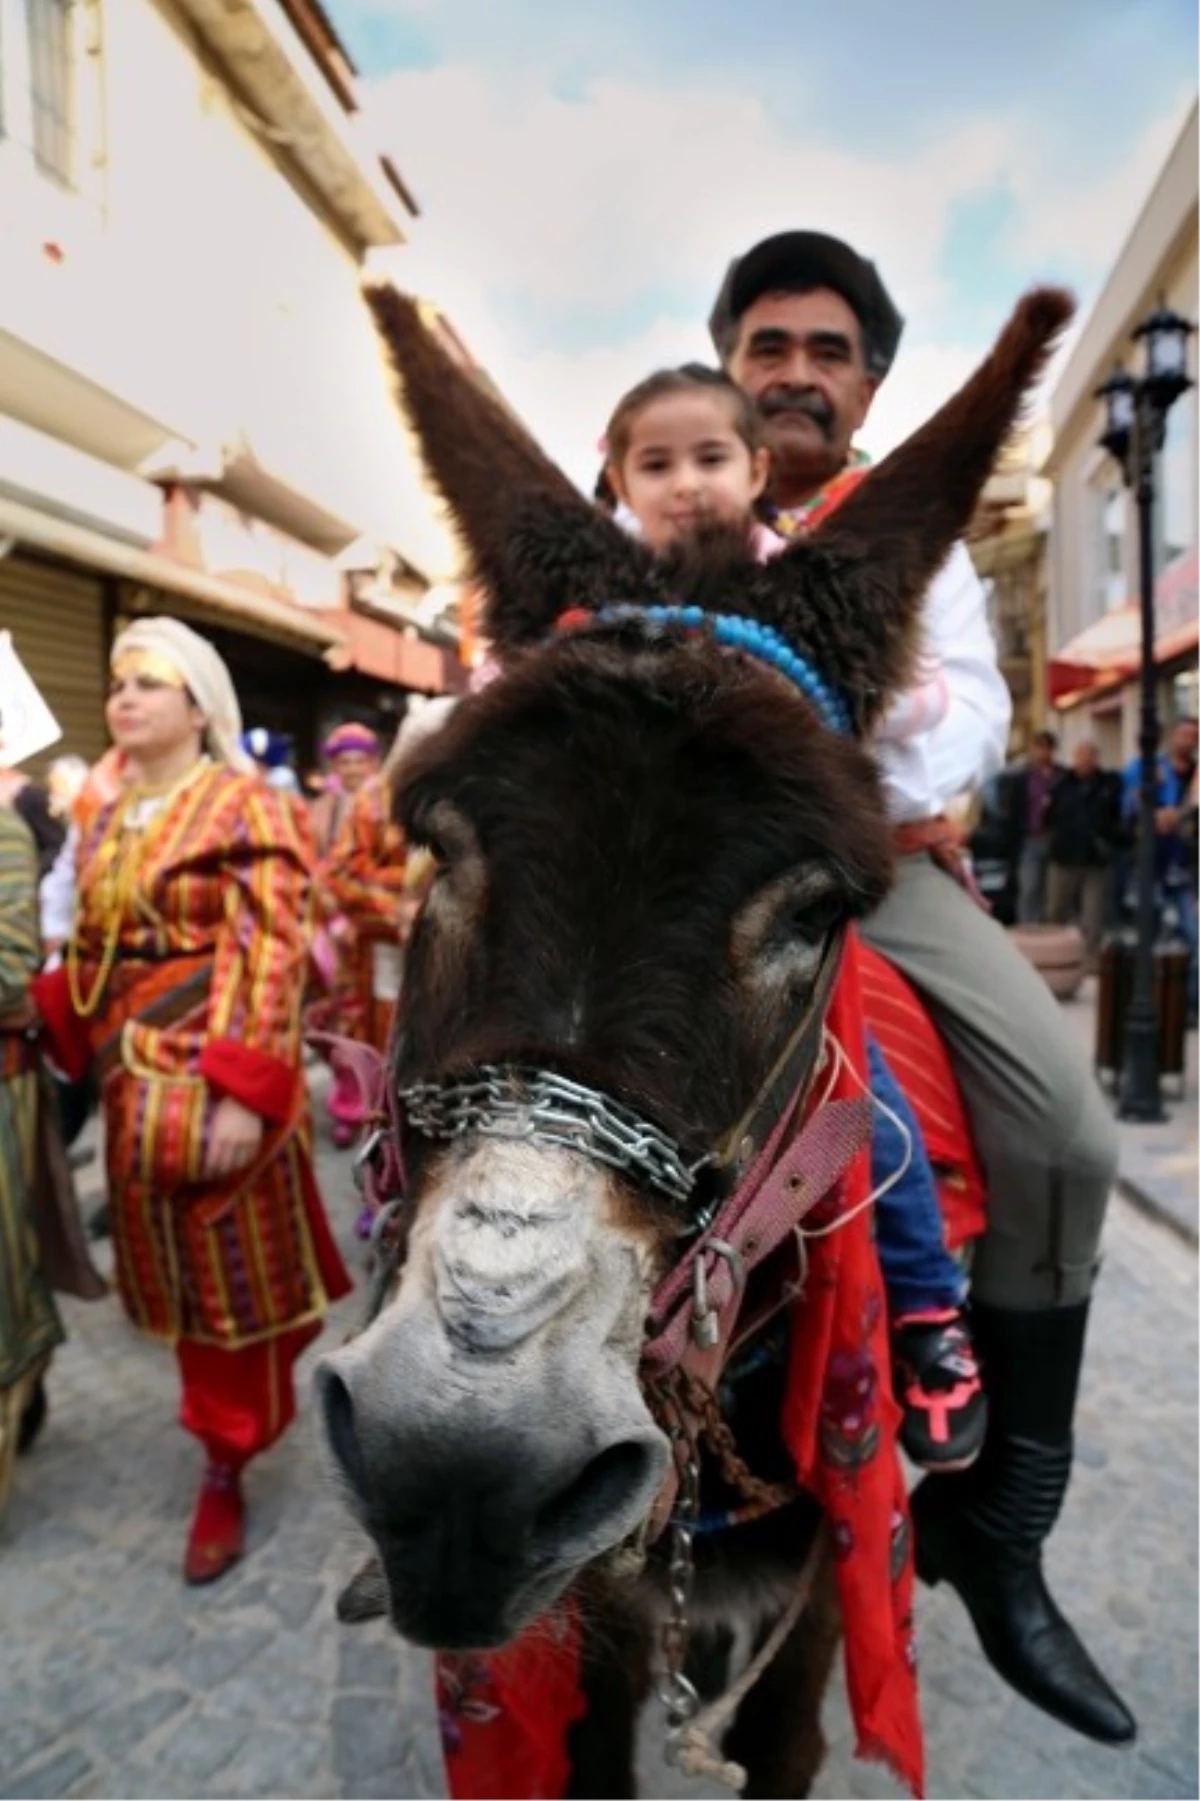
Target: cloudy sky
<point>586,168</point>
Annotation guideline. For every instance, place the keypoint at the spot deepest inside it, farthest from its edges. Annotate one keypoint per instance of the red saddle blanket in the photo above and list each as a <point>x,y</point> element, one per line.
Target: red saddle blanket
<point>899,1021</point>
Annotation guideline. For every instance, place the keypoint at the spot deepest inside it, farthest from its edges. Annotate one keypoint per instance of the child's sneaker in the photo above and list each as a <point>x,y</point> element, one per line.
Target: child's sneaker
<point>939,1388</point>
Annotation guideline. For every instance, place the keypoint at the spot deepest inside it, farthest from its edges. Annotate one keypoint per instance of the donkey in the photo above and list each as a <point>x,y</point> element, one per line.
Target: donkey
<point>648,845</point>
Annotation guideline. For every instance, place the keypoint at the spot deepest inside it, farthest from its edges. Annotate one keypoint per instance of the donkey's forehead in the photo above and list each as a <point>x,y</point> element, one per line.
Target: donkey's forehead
<point>572,702</point>
<point>586,736</point>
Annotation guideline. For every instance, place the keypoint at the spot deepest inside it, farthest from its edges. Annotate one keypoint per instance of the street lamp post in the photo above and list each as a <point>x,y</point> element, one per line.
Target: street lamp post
<point>1135,425</point>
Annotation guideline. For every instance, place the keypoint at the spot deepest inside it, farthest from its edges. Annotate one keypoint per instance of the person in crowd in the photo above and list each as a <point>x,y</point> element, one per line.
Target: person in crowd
<point>1174,853</point>
<point>807,328</point>
<point>30,1326</point>
<point>31,801</point>
<point>1030,786</point>
<point>271,754</point>
<point>1083,829</point>
<point>350,755</point>
<point>686,446</point>
<point>181,986</point>
<point>367,873</point>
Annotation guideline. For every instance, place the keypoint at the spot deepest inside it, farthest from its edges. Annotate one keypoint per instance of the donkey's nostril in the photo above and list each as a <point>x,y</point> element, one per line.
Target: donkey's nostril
<point>599,1502</point>
<point>338,1411</point>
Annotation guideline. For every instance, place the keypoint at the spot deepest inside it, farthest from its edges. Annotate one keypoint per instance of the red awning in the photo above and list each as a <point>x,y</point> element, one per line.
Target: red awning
<point>1109,652</point>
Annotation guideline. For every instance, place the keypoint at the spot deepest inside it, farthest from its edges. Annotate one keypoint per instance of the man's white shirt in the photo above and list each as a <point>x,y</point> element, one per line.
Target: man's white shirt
<point>923,773</point>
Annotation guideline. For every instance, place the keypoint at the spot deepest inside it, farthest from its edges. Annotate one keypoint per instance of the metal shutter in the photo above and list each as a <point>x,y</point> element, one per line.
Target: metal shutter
<point>58,619</point>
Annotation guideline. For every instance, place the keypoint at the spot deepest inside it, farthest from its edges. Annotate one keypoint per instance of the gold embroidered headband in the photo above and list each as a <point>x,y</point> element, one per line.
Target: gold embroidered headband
<point>152,663</point>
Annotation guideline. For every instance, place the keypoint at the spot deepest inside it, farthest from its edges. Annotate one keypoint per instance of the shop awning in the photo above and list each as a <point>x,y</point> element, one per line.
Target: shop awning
<point>229,603</point>
<point>1109,652</point>
<point>1102,657</point>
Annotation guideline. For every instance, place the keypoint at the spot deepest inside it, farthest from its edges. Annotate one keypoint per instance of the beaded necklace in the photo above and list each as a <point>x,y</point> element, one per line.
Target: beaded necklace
<point>119,858</point>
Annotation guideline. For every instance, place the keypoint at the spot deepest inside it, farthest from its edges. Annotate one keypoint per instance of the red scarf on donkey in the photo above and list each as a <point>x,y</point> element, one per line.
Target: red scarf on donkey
<point>505,1716</point>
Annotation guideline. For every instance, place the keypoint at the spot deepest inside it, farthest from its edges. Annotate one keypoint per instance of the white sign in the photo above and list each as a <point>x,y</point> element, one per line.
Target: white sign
<point>26,723</point>
<point>387,970</point>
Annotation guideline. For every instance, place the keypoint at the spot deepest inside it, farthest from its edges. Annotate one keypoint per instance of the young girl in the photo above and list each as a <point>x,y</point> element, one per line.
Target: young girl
<point>682,448</point>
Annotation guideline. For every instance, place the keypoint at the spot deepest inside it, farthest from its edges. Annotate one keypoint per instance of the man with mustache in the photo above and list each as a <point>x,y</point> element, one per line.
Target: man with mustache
<point>807,328</point>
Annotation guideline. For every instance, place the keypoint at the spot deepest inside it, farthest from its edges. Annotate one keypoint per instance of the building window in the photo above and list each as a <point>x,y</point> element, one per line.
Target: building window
<point>37,83</point>
<point>1185,695</point>
<point>1111,588</point>
<point>1176,534</point>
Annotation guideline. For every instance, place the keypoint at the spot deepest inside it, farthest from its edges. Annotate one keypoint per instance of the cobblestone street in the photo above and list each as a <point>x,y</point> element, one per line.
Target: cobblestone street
<point>117,1681</point>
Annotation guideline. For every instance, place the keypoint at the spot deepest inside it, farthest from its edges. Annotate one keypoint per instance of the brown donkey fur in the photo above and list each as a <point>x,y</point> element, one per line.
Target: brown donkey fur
<point>641,838</point>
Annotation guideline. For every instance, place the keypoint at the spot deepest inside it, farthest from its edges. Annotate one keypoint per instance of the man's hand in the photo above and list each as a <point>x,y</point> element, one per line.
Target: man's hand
<point>1166,819</point>
<point>236,1138</point>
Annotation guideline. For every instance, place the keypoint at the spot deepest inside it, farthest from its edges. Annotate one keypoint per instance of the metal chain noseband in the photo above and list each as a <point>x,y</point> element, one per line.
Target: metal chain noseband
<point>675,1691</point>
<point>688,1411</point>
<point>539,1107</point>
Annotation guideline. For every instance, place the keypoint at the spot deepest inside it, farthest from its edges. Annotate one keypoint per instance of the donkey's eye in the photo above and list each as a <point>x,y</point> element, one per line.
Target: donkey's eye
<point>812,922</point>
<point>445,836</point>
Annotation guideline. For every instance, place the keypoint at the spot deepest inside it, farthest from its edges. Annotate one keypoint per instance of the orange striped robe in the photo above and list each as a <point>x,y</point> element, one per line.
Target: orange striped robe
<point>217,884</point>
<point>366,874</point>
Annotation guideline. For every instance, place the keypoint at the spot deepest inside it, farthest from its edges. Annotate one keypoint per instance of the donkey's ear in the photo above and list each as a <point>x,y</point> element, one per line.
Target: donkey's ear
<point>536,545</point>
<point>851,594</point>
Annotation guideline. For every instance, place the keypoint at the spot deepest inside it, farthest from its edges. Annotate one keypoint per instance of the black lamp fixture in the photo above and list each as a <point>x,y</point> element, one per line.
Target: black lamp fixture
<point>1119,394</point>
<point>1165,336</point>
<point>1135,419</point>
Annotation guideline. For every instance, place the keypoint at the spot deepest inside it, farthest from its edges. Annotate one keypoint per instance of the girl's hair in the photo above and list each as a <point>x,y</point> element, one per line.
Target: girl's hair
<point>688,378</point>
<point>604,494</point>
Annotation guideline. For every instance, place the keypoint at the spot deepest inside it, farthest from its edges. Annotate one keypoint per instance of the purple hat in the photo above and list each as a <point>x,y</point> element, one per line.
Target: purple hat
<point>351,736</point>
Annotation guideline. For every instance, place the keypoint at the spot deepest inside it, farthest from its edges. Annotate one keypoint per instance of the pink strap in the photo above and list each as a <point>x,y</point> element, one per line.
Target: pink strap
<point>362,1063</point>
<point>381,1171</point>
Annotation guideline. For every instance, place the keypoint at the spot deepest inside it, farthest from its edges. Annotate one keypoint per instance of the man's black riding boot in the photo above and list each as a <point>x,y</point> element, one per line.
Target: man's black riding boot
<point>983,1531</point>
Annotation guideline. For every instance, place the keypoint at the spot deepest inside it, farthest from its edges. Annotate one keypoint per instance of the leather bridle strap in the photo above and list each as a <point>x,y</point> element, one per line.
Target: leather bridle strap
<point>695,1306</point>
<point>779,1181</point>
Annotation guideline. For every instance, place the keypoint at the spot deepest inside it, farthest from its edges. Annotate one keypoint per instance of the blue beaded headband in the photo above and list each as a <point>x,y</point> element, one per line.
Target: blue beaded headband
<point>762,641</point>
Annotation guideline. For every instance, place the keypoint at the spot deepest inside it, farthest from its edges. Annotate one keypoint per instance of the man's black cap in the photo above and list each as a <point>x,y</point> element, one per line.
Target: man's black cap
<point>810,259</point>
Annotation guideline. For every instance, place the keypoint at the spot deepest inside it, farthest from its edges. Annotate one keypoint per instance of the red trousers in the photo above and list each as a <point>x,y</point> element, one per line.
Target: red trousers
<point>239,1402</point>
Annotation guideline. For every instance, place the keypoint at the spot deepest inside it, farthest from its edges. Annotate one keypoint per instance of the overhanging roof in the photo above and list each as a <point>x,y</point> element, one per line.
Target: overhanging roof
<point>288,90</point>
<point>255,613</point>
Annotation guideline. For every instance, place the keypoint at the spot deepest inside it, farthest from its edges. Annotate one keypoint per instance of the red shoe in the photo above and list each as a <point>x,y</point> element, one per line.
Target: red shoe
<point>939,1389</point>
<point>217,1537</point>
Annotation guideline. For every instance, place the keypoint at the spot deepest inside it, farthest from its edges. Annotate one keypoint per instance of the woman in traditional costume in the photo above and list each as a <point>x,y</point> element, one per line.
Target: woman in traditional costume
<point>350,755</point>
<point>183,981</point>
<point>376,885</point>
<point>366,877</point>
<point>29,1323</point>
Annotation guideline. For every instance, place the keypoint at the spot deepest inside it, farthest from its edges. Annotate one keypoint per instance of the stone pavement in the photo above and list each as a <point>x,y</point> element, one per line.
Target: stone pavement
<point>117,1681</point>
<point>1159,1166</point>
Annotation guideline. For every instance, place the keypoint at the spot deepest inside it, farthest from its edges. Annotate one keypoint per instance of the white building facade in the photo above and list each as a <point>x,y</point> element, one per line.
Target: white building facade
<point>194,414</point>
<point>1093,635</point>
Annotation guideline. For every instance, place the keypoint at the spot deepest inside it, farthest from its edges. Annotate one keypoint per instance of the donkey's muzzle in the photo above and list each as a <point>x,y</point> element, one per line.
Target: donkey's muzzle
<point>484,1517</point>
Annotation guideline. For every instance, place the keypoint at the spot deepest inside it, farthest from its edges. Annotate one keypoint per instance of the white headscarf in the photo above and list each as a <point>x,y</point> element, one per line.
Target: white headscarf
<point>208,680</point>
